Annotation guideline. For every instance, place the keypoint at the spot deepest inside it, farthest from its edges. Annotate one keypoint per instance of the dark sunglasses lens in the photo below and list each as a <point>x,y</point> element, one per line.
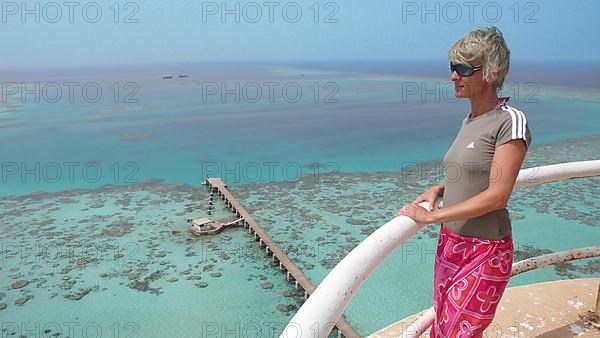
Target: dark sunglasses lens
<point>463,70</point>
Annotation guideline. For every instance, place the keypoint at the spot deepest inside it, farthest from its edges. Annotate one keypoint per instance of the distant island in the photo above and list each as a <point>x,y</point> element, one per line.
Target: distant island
<point>169,76</point>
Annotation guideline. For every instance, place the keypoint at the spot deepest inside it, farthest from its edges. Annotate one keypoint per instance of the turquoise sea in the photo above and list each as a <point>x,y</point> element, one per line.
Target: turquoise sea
<point>96,190</point>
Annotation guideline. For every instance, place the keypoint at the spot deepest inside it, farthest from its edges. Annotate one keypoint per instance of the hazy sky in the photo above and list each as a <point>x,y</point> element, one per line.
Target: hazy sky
<point>41,34</point>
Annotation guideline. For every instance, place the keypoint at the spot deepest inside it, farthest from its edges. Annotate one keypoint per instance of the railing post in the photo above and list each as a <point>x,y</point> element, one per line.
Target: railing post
<point>598,303</point>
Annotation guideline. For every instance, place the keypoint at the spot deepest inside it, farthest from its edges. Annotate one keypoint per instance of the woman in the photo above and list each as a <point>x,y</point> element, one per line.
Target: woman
<point>475,250</point>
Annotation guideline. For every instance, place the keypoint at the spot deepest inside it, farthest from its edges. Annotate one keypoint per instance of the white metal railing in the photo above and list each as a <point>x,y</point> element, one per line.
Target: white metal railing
<point>554,258</point>
<point>328,301</point>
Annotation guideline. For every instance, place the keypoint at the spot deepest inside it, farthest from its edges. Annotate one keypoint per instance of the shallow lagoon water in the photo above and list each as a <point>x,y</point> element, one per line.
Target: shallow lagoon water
<point>78,257</point>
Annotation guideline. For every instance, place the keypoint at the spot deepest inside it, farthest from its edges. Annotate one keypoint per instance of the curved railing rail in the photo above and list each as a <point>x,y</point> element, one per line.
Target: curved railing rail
<point>326,304</point>
<point>554,258</point>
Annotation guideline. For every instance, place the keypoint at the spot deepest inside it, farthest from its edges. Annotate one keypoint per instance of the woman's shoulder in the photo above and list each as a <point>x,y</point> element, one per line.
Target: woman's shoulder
<point>507,115</point>
<point>507,111</point>
<point>512,124</point>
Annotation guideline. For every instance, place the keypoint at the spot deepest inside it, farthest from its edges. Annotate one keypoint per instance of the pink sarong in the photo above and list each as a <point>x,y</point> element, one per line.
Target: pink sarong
<point>470,275</point>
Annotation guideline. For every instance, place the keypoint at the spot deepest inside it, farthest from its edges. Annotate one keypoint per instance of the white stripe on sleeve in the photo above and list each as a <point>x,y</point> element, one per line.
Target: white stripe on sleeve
<point>519,122</point>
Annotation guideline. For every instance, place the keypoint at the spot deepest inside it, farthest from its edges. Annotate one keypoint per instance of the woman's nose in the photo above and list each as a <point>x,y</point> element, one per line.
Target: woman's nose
<point>454,76</point>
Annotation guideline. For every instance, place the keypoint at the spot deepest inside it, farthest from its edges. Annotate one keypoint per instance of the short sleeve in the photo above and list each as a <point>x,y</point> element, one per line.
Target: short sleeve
<point>513,126</point>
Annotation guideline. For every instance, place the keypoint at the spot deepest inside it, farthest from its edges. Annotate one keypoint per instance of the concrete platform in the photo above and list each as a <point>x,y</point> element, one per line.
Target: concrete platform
<point>548,310</point>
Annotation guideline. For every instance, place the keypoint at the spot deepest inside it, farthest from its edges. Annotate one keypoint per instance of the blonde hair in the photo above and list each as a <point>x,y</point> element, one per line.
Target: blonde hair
<point>485,47</point>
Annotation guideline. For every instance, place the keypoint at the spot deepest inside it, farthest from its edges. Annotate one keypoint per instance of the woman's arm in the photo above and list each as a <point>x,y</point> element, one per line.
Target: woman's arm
<point>507,162</point>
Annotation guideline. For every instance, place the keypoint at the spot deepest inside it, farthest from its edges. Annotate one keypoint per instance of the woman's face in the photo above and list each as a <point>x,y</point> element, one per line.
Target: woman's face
<point>469,87</point>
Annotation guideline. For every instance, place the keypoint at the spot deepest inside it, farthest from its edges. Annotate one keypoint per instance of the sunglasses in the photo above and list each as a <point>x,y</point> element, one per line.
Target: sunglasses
<point>462,69</point>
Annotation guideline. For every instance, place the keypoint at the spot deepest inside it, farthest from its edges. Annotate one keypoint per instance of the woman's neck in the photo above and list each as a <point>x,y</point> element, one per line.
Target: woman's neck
<point>483,104</point>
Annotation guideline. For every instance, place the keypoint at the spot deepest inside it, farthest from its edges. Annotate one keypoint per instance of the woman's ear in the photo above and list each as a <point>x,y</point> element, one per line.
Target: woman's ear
<point>494,79</point>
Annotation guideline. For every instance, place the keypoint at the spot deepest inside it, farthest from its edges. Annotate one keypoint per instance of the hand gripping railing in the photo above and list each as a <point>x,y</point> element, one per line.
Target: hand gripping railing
<point>317,316</point>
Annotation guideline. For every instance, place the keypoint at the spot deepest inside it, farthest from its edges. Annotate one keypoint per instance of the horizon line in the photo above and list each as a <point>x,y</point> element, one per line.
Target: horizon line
<point>270,62</point>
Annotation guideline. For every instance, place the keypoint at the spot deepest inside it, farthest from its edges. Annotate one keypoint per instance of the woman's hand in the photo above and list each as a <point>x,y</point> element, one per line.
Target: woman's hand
<point>429,196</point>
<point>417,213</point>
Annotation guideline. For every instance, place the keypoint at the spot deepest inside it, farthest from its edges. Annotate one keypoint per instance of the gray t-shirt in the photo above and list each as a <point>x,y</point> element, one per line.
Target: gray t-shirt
<point>468,163</point>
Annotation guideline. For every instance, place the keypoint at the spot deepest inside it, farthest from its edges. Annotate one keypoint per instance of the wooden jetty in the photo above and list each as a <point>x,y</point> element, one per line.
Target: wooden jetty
<point>293,273</point>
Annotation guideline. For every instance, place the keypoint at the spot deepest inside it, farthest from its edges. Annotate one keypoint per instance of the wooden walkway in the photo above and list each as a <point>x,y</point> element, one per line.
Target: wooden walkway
<point>278,255</point>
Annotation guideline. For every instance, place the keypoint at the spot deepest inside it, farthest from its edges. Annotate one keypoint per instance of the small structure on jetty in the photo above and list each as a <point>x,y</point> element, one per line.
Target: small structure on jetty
<point>206,226</point>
